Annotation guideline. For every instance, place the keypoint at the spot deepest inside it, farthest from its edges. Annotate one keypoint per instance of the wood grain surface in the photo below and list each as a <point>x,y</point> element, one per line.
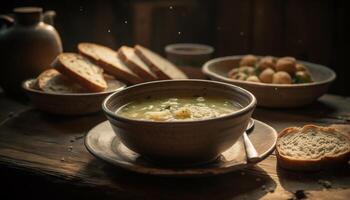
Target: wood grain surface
<point>40,148</point>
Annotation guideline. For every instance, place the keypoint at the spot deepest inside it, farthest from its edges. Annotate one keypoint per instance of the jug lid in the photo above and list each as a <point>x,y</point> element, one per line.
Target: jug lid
<point>28,15</point>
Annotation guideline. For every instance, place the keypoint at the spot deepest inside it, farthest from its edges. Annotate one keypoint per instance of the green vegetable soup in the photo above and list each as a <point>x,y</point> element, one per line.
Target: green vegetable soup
<point>168,108</point>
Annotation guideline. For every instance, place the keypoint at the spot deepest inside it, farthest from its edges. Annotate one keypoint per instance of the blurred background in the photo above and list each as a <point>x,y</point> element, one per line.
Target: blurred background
<point>315,30</point>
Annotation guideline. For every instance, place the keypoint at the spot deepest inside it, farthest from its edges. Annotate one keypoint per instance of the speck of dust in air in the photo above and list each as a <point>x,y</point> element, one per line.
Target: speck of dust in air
<point>179,33</point>
<point>125,22</point>
<point>109,30</point>
<point>170,7</point>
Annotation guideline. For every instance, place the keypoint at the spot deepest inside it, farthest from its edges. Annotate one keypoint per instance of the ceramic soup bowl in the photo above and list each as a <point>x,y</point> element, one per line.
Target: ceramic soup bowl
<point>180,142</point>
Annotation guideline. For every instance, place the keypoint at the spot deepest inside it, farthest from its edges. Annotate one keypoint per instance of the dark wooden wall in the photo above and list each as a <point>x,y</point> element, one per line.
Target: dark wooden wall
<point>313,30</point>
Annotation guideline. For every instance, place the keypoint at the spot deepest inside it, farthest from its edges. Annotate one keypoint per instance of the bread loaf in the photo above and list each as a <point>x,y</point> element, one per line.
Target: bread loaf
<point>312,148</point>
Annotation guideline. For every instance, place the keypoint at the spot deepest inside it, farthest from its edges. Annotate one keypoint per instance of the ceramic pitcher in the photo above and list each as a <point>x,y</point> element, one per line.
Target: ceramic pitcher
<point>27,46</point>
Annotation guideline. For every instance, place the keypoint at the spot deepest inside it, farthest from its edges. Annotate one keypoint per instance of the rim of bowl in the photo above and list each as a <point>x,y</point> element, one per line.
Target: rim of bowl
<point>26,82</point>
<point>203,49</point>
<point>205,70</point>
<point>241,111</point>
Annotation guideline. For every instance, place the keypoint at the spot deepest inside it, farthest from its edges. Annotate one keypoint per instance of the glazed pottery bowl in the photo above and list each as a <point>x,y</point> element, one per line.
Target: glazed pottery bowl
<point>180,142</point>
<point>274,95</point>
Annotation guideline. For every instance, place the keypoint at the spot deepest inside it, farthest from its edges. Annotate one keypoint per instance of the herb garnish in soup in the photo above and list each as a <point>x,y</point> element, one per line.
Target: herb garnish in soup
<point>178,108</point>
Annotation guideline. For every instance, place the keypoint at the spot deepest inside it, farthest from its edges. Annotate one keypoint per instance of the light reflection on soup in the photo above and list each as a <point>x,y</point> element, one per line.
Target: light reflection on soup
<point>179,108</point>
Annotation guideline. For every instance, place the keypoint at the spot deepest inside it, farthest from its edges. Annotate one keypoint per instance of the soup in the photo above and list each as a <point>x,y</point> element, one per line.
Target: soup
<point>178,108</point>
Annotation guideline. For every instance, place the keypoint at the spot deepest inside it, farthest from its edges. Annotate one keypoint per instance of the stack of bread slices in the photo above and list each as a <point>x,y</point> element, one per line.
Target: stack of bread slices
<point>86,70</point>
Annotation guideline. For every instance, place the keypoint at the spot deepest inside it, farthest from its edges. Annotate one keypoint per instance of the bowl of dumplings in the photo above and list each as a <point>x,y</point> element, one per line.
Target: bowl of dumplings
<point>276,82</point>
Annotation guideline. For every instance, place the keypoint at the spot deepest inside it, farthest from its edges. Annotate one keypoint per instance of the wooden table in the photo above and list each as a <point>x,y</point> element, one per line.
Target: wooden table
<point>42,154</point>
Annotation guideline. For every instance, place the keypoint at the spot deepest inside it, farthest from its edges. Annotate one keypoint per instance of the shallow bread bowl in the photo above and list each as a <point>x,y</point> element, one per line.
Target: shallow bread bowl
<point>180,142</point>
<point>274,95</point>
<point>68,103</point>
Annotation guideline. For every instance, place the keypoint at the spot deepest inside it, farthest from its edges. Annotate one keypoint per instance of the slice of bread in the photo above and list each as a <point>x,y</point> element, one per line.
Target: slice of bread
<point>109,61</point>
<point>312,148</point>
<point>128,56</point>
<point>113,84</point>
<point>163,68</point>
<point>45,76</point>
<point>81,70</point>
<point>54,82</point>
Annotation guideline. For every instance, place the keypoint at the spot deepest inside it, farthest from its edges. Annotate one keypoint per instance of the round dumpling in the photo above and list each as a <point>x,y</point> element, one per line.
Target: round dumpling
<point>300,67</point>
<point>240,76</point>
<point>303,77</point>
<point>281,78</point>
<point>233,72</point>
<point>247,70</point>
<point>266,62</point>
<point>286,64</point>
<point>248,60</point>
<point>253,79</point>
<point>292,59</point>
<point>266,76</point>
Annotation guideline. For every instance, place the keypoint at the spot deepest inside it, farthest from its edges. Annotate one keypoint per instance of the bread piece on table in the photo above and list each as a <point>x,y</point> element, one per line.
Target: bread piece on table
<point>128,56</point>
<point>312,148</point>
<point>52,81</point>
<point>163,68</point>
<point>81,70</point>
<point>109,61</point>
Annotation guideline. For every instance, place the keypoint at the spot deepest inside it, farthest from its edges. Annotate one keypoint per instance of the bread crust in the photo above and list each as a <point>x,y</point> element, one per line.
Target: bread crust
<point>108,67</point>
<point>43,77</point>
<point>51,80</point>
<point>89,85</point>
<point>153,66</point>
<point>134,66</point>
<point>310,164</point>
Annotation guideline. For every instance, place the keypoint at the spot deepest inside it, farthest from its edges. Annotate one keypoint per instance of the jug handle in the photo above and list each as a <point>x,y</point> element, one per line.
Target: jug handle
<point>6,21</point>
<point>49,17</point>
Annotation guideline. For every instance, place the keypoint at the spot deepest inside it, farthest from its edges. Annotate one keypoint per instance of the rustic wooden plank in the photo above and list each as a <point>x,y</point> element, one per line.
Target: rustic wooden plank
<point>268,27</point>
<point>10,107</point>
<point>142,23</point>
<point>329,109</point>
<point>40,149</point>
<point>159,23</point>
<point>22,145</point>
<point>234,27</point>
<point>309,31</point>
<point>340,46</point>
<point>51,146</point>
